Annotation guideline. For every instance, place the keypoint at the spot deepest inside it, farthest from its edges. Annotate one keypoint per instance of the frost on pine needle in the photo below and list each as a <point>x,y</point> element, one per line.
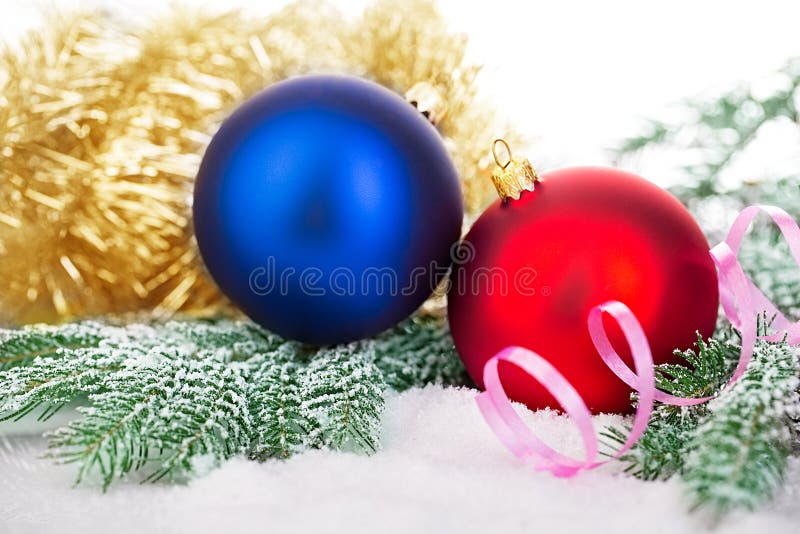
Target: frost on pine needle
<point>19,347</point>
<point>53,381</point>
<point>51,365</point>
<point>230,340</point>
<point>175,399</point>
<point>419,351</point>
<point>173,409</point>
<point>342,394</point>
<point>731,451</point>
<point>738,454</point>
<point>660,452</point>
<point>281,430</point>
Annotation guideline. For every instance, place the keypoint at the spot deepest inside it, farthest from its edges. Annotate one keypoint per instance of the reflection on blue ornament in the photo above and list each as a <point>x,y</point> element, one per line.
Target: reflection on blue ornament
<point>325,207</point>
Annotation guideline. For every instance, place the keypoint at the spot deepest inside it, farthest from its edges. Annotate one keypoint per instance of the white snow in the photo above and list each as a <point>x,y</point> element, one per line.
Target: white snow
<point>440,470</point>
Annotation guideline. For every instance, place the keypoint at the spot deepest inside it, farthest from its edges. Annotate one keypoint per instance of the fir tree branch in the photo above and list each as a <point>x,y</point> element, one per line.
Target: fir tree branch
<point>22,346</point>
<point>223,339</point>
<point>720,129</point>
<point>738,454</point>
<point>731,451</point>
<point>205,403</point>
<point>417,352</point>
<point>342,394</point>
<point>659,452</point>
<point>53,381</point>
<point>175,399</point>
<point>281,430</point>
<point>181,407</point>
<point>707,369</point>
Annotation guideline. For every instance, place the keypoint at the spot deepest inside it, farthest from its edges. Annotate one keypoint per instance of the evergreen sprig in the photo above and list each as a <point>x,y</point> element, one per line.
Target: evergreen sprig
<point>736,457</point>
<point>731,452</point>
<point>22,346</point>
<point>416,353</point>
<point>719,129</point>
<point>180,408</point>
<point>660,451</point>
<point>341,393</point>
<point>281,429</point>
<point>177,398</point>
<point>55,380</point>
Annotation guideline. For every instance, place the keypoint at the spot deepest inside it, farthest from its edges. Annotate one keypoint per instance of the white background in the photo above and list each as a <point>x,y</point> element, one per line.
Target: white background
<point>577,76</point>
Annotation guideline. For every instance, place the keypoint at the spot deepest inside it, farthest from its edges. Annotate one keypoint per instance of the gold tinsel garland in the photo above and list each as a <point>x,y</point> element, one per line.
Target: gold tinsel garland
<point>102,130</point>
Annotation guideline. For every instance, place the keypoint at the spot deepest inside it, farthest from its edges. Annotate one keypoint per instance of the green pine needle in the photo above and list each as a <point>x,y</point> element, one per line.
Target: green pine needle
<point>281,429</point>
<point>342,394</point>
<point>419,351</point>
<point>171,400</point>
<point>20,347</point>
<point>731,451</point>
<point>736,457</point>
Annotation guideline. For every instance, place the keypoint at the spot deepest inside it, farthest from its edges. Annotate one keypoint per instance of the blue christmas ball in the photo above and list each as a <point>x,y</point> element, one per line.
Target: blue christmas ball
<point>325,207</point>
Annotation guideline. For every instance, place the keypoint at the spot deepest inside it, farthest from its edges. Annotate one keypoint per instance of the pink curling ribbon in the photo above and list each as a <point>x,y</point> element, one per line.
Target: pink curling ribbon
<point>741,302</point>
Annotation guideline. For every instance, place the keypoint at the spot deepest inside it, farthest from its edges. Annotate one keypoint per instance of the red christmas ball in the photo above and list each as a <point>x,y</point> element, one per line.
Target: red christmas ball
<point>535,266</point>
